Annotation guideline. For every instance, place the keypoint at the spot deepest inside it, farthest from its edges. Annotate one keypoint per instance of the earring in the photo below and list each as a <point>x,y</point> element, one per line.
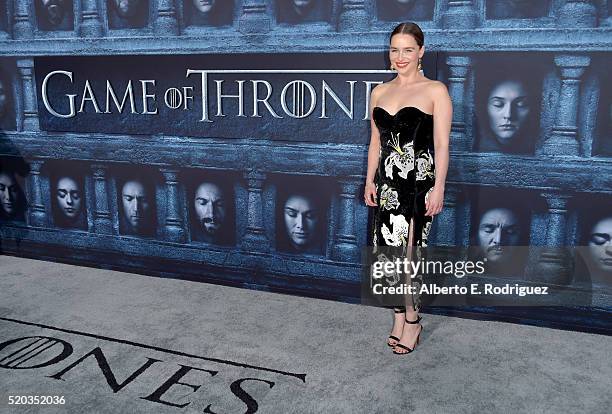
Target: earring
<point>420,67</point>
<point>392,68</point>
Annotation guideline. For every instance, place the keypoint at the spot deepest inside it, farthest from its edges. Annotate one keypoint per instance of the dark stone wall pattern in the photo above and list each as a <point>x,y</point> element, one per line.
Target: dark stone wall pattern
<point>530,139</point>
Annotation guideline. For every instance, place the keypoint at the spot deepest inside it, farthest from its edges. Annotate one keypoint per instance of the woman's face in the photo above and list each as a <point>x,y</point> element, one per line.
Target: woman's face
<point>404,53</point>
<point>127,8</point>
<point>508,110</point>
<point>301,220</point>
<point>68,197</point>
<point>9,194</point>
<point>301,6</point>
<point>203,6</point>
<point>600,245</point>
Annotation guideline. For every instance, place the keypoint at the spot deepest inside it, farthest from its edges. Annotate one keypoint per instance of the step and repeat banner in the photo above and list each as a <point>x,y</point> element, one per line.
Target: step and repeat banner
<point>227,141</point>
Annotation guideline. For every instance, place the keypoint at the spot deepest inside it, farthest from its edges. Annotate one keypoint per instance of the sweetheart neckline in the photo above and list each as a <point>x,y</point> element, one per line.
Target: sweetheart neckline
<point>402,108</point>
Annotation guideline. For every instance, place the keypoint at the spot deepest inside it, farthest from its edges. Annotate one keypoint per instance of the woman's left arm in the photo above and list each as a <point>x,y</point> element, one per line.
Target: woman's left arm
<point>443,116</point>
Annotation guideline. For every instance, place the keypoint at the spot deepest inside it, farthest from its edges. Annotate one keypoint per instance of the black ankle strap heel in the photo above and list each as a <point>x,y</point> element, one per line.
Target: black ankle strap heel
<point>418,319</point>
<point>409,350</point>
<point>393,337</point>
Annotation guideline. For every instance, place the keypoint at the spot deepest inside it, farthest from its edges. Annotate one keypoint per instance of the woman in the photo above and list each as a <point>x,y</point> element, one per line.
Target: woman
<point>506,108</point>
<point>69,201</point>
<point>407,163</point>
<point>303,219</point>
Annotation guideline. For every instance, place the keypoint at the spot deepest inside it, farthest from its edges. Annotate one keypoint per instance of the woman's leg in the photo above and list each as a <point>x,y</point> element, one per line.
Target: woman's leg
<point>410,330</point>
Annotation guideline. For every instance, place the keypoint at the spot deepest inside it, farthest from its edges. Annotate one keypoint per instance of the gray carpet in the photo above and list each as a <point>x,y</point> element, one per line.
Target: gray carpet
<point>244,350</point>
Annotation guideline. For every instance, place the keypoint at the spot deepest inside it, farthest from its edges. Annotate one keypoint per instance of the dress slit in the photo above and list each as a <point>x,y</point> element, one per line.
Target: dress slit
<point>409,297</point>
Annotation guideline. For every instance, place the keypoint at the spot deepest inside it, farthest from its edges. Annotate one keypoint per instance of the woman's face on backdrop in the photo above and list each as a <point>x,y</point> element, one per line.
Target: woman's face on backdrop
<point>404,53</point>
<point>68,197</point>
<point>600,245</point>
<point>127,8</point>
<point>301,6</point>
<point>9,193</point>
<point>203,6</point>
<point>508,110</point>
<point>301,220</point>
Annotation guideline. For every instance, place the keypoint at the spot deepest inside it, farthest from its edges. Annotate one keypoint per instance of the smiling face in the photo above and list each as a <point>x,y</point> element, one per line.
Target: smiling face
<point>203,6</point>
<point>508,110</point>
<point>404,53</point>
<point>127,8</point>
<point>54,10</point>
<point>210,208</point>
<point>9,194</point>
<point>301,220</point>
<point>498,227</point>
<point>68,196</point>
<point>136,204</point>
<point>600,245</point>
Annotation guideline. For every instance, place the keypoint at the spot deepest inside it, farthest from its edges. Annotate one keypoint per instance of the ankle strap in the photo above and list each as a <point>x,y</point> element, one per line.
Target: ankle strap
<point>418,319</point>
<point>399,310</point>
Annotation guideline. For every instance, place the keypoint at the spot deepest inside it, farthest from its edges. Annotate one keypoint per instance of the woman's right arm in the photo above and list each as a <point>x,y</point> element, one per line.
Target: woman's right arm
<point>373,152</point>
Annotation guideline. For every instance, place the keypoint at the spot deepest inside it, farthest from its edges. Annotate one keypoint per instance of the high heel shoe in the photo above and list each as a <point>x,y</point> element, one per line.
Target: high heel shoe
<point>408,350</point>
<point>393,336</point>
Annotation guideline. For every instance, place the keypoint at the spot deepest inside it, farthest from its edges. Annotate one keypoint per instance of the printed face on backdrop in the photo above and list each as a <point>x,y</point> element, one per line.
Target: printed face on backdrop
<point>211,209</point>
<point>203,6</point>
<point>69,198</point>
<point>127,8</point>
<point>55,10</point>
<point>136,204</point>
<point>600,245</point>
<point>508,110</point>
<point>301,6</point>
<point>3,99</point>
<point>302,218</point>
<point>498,227</point>
<point>9,194</point>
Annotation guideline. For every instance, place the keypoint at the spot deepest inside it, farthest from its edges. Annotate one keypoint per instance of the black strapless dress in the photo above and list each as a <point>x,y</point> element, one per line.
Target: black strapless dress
<point>404,179</point>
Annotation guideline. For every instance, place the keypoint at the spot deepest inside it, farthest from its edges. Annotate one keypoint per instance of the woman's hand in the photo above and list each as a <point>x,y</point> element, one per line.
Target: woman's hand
<point>370,194</point>
<point>433,204</point>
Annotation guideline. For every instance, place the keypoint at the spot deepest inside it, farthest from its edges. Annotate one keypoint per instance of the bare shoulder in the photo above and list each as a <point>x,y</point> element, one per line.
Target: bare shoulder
<point>380,88</point>
<point>437,88</point>
<point>377,91</point>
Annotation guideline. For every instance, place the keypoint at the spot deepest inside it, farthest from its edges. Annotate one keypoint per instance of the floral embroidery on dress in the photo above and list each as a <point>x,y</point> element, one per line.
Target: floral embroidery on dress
<point>425,233</point>
<point>400,157</point>
<point>400,230</point>
<point>424,164</point>
<point>389,199</point>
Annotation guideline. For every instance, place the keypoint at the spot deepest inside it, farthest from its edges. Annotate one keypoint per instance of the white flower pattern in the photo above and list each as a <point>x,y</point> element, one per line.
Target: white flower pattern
<point>388,198</point>
<point>424,163</point>
<point>399,235</point>
<point>400,157</point>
